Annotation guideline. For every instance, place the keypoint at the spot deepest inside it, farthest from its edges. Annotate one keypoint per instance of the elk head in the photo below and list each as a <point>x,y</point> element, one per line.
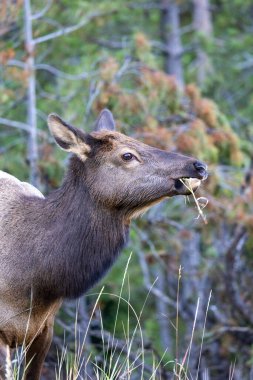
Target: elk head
<point>120,172</point>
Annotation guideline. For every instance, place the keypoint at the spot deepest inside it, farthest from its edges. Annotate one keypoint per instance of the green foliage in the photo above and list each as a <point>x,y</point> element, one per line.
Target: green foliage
<point>119,51</point>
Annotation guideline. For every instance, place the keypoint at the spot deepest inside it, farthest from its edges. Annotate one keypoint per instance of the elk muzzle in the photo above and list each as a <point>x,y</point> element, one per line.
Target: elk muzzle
<point>197,174</point>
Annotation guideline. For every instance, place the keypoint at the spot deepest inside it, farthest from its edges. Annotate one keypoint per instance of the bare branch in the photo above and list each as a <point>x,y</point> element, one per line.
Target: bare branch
<point>52,96</point>
<point>149,286</point>
<point>122,347</point>
<point>228,329</point>
<point>15,124</point>
<point>31,96</point>
<point>8,147</point>
<point>94,92</point>
<point>171,36</point>
<point>16,63</point>
<point>245,64</point>
<point>176,119</point>
<point>149,5</point>
<point>70,29</point>
<point>163,310</point>
<point>61,74</point>
<point>239,305</point>
<point>52,22</point>
<point>42,12</point>
<point>218,314</point>
<point>110,44</point>
<point>19,125</point>
<point>123,69</point>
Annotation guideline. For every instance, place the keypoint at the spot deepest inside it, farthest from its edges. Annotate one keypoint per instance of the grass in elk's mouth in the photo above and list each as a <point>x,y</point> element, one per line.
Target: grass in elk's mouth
<point>201,202</point>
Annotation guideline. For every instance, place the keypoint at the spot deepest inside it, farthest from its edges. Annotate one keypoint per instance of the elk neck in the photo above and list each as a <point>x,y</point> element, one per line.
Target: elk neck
<point>84,238</point>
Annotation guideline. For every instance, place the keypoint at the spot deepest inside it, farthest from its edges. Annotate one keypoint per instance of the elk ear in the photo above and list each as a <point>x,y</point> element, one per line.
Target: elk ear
<point>67,137</point>
<point>105,121</point>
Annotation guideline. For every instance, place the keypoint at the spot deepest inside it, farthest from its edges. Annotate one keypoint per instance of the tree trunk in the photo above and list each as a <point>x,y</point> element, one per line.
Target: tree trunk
<point>31,96</point>
<point>170,33</point>
<point>203,28</point>
<point>162,311</point>
<point>191,291</point>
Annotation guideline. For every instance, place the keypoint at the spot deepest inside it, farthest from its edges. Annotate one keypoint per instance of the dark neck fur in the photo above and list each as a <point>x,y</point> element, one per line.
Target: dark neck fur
<point>84,242</point>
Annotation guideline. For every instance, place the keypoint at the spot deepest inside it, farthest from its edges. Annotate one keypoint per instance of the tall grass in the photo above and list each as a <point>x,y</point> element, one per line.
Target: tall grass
<point>120,359</point>
<point>127,361</point>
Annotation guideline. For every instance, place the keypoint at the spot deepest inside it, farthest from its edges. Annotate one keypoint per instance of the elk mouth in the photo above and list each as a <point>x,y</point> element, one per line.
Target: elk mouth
<point>186,185</point>
<point>181,183</point>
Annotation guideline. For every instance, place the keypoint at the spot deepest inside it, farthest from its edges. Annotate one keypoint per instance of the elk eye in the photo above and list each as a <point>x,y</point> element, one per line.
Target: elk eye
<point>127,156</point>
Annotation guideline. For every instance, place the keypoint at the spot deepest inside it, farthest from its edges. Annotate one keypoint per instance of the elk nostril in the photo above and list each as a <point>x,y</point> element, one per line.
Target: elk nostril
<point>201,168</point>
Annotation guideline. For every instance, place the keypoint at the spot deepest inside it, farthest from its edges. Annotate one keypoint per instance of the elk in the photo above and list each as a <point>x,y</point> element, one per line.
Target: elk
<point>59,246</point>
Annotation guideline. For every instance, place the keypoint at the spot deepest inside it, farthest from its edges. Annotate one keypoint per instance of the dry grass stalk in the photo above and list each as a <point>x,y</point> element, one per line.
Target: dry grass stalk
<point>201,202</point>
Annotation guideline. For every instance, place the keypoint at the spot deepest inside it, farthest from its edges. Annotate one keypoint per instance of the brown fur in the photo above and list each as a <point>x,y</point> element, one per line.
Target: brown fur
<point>61,245</point>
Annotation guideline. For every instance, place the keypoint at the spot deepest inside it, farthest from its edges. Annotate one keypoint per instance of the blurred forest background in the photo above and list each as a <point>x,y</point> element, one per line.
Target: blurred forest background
<point>177,75</point>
